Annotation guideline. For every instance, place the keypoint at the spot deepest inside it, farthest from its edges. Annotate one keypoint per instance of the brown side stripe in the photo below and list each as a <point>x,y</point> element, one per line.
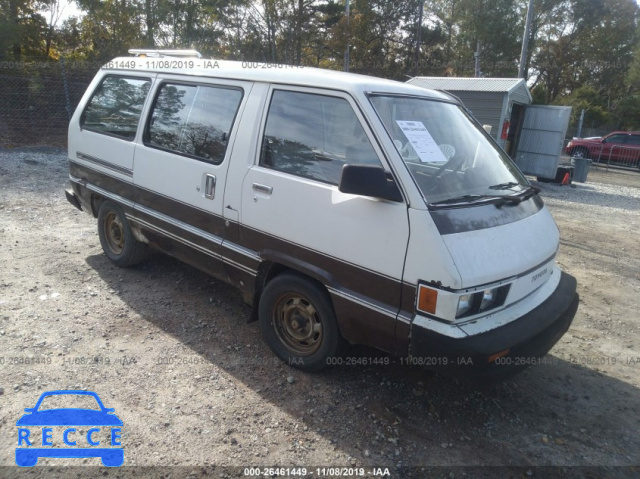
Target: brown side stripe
<point>201,219</point>
<point>102,180</point>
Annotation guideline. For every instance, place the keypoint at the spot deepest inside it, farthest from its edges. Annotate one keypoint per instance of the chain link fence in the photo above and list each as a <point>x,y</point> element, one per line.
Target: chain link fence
<point>37,100</point>
<point>588,132</point>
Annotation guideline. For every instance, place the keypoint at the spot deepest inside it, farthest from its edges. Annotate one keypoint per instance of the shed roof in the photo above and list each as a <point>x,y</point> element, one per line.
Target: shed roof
<point>453,84</point>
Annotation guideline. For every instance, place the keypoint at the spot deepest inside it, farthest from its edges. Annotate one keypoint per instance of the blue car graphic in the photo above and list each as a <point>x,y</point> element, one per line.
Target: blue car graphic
<point>28,456</point>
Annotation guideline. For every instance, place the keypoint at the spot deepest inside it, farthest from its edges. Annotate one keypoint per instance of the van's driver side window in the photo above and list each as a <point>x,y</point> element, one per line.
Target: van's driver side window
<point>313,136</point>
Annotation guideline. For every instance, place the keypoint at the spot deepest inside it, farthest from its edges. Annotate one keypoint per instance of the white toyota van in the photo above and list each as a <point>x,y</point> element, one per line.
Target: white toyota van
<point>347,209</point>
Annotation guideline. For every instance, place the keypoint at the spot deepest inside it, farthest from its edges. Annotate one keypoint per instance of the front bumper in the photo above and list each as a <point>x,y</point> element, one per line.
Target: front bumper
<point>72,198</point>
<point>527,340</point>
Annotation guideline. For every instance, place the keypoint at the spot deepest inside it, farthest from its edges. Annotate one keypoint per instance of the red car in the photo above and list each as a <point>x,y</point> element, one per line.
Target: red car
<point>622,147</point>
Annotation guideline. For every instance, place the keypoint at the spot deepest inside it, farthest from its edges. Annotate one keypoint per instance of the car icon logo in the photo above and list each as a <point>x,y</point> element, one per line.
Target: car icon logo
<point>40,420</point>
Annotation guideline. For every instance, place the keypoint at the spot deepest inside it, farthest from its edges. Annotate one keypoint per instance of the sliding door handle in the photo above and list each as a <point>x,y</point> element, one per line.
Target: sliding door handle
<point>210,187</point>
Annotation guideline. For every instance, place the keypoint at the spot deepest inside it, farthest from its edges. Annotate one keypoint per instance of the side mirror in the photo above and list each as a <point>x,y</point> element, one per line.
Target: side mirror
<point>368,180</point>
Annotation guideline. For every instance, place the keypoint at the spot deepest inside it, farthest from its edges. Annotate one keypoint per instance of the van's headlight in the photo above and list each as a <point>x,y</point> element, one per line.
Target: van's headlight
<point>465,302</point>
<point>450,305</point>
<point>488,298</point>
<point>470,304</point>
<point>479,301</point>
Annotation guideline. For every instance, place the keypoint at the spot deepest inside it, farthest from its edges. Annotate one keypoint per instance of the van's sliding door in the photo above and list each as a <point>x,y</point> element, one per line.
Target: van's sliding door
<point>181,166</point>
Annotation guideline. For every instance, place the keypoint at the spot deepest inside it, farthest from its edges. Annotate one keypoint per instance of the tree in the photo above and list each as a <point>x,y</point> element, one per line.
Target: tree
<point>22,29</point>
<point>583,42</point>
<point>493,25</point>
<point>628,108</point>
<point>109,28</point>
<point>587,98</point>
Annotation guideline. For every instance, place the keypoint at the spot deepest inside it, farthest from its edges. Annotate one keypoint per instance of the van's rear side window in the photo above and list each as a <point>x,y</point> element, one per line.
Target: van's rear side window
<point>193,120</point>
<point>115,107</point>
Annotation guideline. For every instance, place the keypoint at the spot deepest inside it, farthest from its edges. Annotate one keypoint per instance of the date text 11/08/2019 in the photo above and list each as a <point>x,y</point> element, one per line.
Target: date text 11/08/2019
<point>317,472</point>
<point>403,361</point>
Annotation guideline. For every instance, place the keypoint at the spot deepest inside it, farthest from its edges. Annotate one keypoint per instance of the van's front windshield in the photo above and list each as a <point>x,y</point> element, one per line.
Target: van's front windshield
<point>450,157</point>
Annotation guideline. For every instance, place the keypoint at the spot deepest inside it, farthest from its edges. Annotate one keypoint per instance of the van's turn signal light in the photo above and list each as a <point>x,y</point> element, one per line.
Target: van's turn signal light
<point>427,299</point>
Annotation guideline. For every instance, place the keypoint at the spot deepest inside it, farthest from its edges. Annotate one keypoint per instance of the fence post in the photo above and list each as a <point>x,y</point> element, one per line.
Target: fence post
<point>66,88</point>
<point>579,133</point>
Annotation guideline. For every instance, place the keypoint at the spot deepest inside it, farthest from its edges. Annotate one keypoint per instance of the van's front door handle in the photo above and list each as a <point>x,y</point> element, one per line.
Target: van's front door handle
<point>263,188</point>
<point>210,187</point>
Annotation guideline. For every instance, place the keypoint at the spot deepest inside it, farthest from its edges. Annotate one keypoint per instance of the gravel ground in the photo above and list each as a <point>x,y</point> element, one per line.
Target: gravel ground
<point>201,395</point>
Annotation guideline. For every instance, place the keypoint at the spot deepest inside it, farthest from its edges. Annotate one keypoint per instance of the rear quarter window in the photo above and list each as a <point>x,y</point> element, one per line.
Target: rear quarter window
<point>115,106</point>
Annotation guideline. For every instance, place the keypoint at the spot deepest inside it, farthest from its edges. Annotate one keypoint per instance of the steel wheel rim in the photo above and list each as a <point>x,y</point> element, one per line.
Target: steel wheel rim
<point>297,324</point>
<point>114,233</point>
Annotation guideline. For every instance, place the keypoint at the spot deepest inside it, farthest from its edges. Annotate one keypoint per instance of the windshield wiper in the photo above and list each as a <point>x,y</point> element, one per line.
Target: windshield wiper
<point>498,200</point>
<point>505,186</point>
<point>466,199</point>
<point>517,198</point>
<point>511,184</point>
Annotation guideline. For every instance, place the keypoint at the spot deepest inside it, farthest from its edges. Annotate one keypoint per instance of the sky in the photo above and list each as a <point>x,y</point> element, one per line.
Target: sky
<point>70,9</point>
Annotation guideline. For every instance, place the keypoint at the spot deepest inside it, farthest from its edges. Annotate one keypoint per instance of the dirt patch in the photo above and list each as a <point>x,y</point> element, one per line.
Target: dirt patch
<point>169,348</point>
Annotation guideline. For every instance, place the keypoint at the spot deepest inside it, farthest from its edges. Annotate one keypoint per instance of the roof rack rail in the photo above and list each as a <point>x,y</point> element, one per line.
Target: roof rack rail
<point>144,52</point>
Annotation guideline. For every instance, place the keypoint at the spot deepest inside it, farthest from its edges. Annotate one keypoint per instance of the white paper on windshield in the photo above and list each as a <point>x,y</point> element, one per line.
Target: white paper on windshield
<point>422,142</point>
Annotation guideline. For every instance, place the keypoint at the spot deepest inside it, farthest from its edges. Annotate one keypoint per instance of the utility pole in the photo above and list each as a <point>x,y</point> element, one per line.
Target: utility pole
<point>525,42</point>
<point>579,132</point>
<point>346,51</point>
<point>418,38</point>
<point>476,69</point>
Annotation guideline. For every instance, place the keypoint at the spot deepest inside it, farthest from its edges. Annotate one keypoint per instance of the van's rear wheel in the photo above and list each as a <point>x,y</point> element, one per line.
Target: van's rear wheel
<point>298,322</point>
<point>116,238</point>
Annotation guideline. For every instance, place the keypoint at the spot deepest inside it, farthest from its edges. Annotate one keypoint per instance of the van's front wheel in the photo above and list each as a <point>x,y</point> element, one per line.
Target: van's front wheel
<point>116,238</point>
<point>298,322</point>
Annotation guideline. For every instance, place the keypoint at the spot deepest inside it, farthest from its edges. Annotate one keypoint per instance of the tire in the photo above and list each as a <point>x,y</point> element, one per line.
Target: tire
<point>580,152</point>
<point>298,322</point>
<point>116,238</point>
